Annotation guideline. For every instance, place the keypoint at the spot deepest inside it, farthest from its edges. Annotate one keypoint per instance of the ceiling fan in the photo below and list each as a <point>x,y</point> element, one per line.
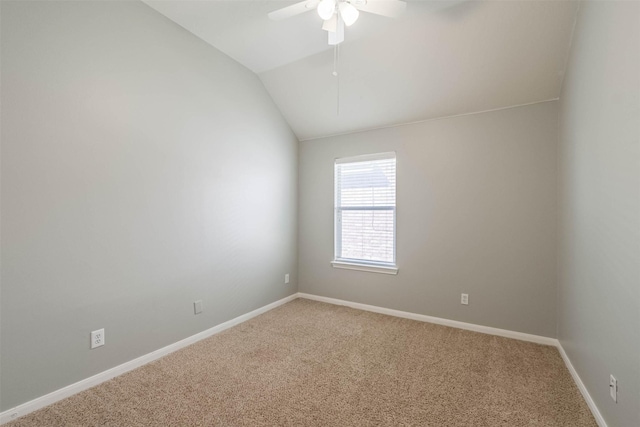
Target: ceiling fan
<point>338,13</point>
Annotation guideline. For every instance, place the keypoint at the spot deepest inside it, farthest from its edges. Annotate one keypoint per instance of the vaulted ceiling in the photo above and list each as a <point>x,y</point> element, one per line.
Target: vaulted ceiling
<point>439,58</point>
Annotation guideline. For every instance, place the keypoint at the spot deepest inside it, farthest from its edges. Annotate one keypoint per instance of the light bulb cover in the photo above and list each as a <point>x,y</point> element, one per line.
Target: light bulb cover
<point>348,13</point>
<point>326,8</point>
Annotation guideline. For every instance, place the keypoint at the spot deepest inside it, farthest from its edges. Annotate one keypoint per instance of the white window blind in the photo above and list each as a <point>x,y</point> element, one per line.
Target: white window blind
<point>365,209</point>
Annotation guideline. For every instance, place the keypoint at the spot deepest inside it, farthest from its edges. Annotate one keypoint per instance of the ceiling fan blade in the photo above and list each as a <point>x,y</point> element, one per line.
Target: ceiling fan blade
<point>390,8</point>
<point>293,10</point>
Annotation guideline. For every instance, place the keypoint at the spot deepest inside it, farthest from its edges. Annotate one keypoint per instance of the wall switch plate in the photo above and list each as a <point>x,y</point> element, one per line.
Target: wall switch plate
<point>464,299</point>
<point>613,388</point>
<point>286,278</point>
<point>197,307</point>
<point>97,338</point>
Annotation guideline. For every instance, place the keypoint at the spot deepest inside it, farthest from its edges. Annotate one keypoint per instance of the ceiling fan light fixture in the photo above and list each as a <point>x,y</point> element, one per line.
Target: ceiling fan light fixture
<point>348,13</point>
<point>326,9</point>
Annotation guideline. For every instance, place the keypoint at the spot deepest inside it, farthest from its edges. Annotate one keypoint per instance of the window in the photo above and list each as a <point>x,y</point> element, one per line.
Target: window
<point>365,213</point>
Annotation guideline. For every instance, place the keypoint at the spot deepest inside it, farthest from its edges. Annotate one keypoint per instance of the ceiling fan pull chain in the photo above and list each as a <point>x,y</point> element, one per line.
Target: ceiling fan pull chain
<point>335,61</point>
<point>335,73</point>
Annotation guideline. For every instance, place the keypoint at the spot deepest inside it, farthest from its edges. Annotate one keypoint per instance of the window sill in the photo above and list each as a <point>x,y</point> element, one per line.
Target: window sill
<point>371,268</point>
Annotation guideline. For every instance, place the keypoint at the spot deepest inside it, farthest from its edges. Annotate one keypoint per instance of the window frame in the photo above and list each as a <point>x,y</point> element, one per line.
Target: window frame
<point>354,263</point>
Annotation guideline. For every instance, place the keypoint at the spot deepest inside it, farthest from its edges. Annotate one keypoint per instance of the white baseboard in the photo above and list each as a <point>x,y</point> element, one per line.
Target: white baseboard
<point>583,389</point>
<point>437,320</point>
<point>55,396</point>
<point>476,328</point>
<point>48,399</point>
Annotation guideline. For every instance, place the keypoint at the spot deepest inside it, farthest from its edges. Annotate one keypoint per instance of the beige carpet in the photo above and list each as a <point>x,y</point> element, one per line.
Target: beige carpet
<point>313,364</point>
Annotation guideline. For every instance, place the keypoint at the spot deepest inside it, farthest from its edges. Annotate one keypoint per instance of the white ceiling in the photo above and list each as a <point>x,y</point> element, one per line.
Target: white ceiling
<point>440,58</point>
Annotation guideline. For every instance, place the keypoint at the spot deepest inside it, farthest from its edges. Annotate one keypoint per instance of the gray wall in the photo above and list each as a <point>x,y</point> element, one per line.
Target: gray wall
<point>141,170</point>
<point>599,299</point>
<point>477,213</point>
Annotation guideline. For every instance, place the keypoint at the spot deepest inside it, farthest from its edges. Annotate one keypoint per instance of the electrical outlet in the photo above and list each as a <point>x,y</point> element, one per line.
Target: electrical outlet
<point>286,278</point>
<point>613,388</point>
<point>97,338</point>
<point>197,307</point>
<point>464,299</point>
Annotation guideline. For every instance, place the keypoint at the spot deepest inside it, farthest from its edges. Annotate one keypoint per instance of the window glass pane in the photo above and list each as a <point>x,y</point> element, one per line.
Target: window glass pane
<point>367,183</point>
<point>367,235</point>
<point>365,199</point>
